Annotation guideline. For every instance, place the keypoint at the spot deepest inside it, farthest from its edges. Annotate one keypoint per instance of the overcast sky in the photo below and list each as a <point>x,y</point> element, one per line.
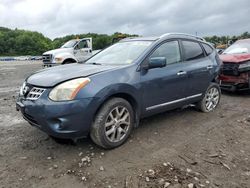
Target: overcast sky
<point>55,18</point>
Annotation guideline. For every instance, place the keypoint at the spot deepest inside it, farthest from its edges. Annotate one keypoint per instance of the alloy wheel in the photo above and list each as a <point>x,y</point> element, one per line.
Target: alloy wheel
<point>117,124</point>
<point>212,98</point>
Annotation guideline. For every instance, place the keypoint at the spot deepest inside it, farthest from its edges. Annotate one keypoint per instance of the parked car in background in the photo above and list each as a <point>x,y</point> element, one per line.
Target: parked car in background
<point>132,79</point>
<point>220,50</point>
<point>22,58</point>
<point>36,58</point>
<point>235,71</point>
<point>75,50</point>
<point>7,58</point>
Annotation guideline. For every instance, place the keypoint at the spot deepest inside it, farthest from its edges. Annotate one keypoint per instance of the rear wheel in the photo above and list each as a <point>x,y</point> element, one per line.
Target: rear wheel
<point>210,99</point>
<point>113,123</point>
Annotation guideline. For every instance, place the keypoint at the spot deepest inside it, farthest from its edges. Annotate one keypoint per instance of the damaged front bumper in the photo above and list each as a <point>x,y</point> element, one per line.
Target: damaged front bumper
<point>233,83</point>
<point>68,119</point>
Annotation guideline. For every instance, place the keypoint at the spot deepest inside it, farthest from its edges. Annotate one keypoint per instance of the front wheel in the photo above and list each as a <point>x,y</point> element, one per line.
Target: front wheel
<point>113,123</point>
<point>210,99</point>
<point>68,62</point>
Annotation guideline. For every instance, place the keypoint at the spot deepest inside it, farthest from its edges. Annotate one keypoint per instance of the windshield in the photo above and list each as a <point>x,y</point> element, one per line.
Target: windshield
<point>70,44</point>
<point>120,53</point>
<point>239,47</point>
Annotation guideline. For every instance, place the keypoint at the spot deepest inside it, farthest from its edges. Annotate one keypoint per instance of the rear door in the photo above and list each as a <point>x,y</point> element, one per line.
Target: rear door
<point>198,67</point>
<point>164,86</point>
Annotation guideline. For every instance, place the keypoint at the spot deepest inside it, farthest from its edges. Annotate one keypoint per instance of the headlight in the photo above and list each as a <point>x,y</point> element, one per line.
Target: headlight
<point>245,65</point>
<point>58,59</point>
<point>68,90</point>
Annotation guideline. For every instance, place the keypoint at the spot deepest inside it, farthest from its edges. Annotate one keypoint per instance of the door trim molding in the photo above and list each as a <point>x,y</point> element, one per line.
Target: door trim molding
<point>172,102</point>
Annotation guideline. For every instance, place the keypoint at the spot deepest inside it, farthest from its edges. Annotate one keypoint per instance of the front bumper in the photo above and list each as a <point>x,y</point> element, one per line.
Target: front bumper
<point>46,65</point>
<point>233,83</point>
<point>69,119</point>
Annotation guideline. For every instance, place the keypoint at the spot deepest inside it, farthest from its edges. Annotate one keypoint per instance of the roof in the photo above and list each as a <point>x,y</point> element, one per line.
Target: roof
<point>140,39</point>
<point>165,36</point>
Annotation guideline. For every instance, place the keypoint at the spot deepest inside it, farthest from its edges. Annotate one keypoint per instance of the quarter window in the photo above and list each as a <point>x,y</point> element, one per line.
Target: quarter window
<point>192,50</point>
<point>169,50</point>
<point>207,48</point>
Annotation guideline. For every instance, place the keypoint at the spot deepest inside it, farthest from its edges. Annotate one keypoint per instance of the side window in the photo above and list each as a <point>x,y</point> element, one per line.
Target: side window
<point>207,48</point>
<point>192,50</point>
<point>169,50</point>
<point>82,44</point>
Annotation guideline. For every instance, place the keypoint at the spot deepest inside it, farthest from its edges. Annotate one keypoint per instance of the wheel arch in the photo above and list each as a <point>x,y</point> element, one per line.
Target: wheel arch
<point>68,60</point>
<point>128,97</point>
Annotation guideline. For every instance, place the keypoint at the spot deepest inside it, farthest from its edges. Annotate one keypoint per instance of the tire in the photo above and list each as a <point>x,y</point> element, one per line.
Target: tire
<point>68,62</point>
<point>210,99</point>
<point>113,123</point>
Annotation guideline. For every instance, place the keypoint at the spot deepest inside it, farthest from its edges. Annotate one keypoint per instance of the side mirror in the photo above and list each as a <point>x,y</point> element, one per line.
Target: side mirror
<point>157,62</point>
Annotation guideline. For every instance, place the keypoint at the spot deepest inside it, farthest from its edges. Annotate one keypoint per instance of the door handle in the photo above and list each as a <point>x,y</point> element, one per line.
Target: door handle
<point>181,73</point>
<point>209,67</point>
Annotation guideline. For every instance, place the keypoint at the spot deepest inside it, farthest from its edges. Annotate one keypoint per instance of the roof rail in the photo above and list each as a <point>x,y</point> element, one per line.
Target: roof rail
<point>183,34</point>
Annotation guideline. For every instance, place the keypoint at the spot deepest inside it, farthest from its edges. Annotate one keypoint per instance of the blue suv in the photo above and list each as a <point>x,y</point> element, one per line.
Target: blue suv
<point>106,96</point>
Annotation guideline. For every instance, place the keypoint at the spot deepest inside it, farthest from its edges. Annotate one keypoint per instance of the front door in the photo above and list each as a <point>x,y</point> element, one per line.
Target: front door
<point>164,86</point>
<point>82,50</point>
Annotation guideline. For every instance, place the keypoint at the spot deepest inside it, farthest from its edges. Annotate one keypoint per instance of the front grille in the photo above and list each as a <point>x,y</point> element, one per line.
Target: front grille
<point>231,69</point>
<point>47,58</point>
<point>35,93</point>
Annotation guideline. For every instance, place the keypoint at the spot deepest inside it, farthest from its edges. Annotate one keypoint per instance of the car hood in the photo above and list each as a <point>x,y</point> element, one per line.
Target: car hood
<point>235,58</point>
<point>57,51</point>
<point>52,76</point>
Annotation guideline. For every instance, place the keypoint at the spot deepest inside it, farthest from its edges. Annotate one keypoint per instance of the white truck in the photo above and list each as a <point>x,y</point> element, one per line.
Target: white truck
<point>76,50</point>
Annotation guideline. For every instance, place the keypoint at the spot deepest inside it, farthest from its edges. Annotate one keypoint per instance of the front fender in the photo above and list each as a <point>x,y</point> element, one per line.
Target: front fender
<point>120,81</point>
<point>126,91</point>
<point>116,90</point>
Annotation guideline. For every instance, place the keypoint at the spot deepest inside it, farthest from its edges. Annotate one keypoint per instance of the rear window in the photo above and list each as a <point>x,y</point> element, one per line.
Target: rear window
<point>207,48</point>
<point>192,50</point>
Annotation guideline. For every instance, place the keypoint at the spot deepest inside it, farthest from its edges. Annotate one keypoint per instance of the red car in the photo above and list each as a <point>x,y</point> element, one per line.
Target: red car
<point>235,70</point>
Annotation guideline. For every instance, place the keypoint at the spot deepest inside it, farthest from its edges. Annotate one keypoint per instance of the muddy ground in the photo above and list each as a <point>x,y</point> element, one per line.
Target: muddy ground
<point>181,148</point>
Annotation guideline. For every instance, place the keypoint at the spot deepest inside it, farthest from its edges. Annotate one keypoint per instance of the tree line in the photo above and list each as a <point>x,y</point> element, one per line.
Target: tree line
<point>22,42</point>
<point>14,42</point>
<point>220,40</point>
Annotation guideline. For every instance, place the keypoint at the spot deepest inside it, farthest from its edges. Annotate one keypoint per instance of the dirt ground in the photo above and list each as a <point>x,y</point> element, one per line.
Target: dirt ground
<point>181,148</point>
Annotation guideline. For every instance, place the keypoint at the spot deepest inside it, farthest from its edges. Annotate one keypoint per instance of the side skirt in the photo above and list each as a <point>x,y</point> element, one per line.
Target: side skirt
<point>172,102</point>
